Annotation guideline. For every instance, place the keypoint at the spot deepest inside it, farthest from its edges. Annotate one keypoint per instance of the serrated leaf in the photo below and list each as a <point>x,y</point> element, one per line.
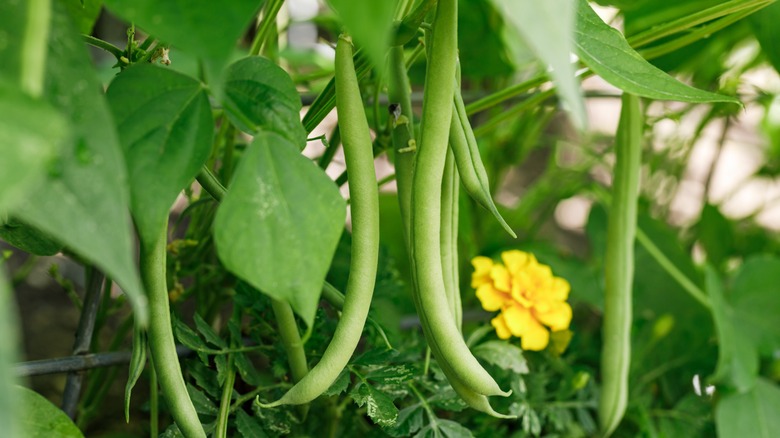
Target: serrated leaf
<point>203,28</point>
<point>452,429</point>
<point>752,414</point>
<point>258,94</point>
<point>137,365</point>
<point>278,226</point>
<point>410,420</point>
<point>208,333</point>
<point>608,54</point>
<point>503,355</point>
<point>41,418</point>
<point>165,129</point>
<point>187,336</point>
<point>375,356</point>
<point>737,356</point>
<point>339,385</point>
<point>379,407</point>
<point>83,202</point>
<point>392,375</point>
<point>247,371</point>
<point>756,303</point>
<point>203,405</point>
<point>31,134</point>
<point>548,26</point>
<point>369,23</point>
<point>205,377</point>
<point>248,427</point>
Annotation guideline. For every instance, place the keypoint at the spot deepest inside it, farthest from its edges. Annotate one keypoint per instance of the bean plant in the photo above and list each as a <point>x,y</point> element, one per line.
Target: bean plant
<point>364,239</point>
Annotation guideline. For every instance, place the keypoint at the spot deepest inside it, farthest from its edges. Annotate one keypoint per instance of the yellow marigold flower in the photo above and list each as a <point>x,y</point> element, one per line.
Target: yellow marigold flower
<point>528,295</point>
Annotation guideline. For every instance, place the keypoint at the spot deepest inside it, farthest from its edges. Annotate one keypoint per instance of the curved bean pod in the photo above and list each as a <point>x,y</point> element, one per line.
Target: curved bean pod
<point>161,343</point>
<point>364,198</point>
<point>619,266</point>
<point>425,239</point>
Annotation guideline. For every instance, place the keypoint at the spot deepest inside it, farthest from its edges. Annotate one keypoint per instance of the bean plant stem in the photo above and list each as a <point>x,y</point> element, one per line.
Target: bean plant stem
<point>224,404</point>
<point>266,26</point>
<point>105,45</point>
<point>35,47</point>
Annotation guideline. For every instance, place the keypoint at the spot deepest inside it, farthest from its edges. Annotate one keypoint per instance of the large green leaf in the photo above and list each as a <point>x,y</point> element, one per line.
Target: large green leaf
<point>10,410</point>
<point>756,302</point>
<point>370,24</point>
<point>548,26</point>
<point>31,132</point>
<point>84,13</point>
<point>204,28</point>
<point>258,94</point>
<point>766,31</point>
<point>27,238</point>
<point>165,129</point>
<point>737,358</point>
<point>279,224</point>
<point>608,54</point>
<point>752,414</point>
<point>83,202</point>
<point>41,418</point>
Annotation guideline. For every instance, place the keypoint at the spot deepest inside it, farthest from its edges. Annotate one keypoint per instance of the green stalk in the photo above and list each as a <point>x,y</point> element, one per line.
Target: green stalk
<point>619,266</point>
<point>224,403</point>
<point>34,47</point>
<point>161,341</point>
<point>449,238</point>
<point>291,339</point>
<point>266,27</point>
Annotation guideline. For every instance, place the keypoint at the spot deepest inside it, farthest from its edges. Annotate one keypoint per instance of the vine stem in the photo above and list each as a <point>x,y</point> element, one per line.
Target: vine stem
<point>105,45</point>
<point>271,10</point>
<point>36,36</point>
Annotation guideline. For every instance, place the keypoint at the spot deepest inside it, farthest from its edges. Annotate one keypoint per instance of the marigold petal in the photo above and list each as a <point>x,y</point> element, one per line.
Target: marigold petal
<point>560,289</point>
<point>500,325</point>
<point>501,278</point>
<point>491,298</point>
<point>558,317</point>
<point>481,274</point>
<point>518,319</point>
<point>515,260</point>
<point>536,337</point>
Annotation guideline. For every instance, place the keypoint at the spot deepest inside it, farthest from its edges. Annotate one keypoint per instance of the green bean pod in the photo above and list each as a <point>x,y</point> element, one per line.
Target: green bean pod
<point>472,171</point>
<point>619,266</point>
<point>402,133</point>
<point>449,238</point>
<point>425,239</point>
<point>364,197</point>
<point>161,342</point>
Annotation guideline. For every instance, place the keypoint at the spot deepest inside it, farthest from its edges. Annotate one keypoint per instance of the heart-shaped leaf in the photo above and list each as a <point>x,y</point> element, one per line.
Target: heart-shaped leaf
<point>165,129</point>
<point>278,226</point>
<point>258,94</point>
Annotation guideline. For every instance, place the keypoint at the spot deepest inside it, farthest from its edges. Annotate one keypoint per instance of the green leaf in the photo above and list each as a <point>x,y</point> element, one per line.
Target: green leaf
<point>208,333</point>
<point>548,27</point>
<point>379,407</point>
<point>452,429</point>
<point>41,418</point>
<point>28,238</point>
<point>260,95</point>
<point>392,375</point>
<point>279,223</point>
<point>248,427</point>
<point>410,420</point>
<point>203,28</point>
<point>84,13</point>
<point>31,133</point>
<point>83,202</point>
<point>165,129</point>
<point>339,385</point>
<point>503,355</point>
<point>10,409</point>
<point>715,233</point>
<point>13,20</point>
<point>764,24</point>
<point>737,357</point>
<point>137,365</point>
<point>752,414</point>
<point>756,302</point>
<point>608,54</point>
<point>203,405</point>
<point>370,23</point>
